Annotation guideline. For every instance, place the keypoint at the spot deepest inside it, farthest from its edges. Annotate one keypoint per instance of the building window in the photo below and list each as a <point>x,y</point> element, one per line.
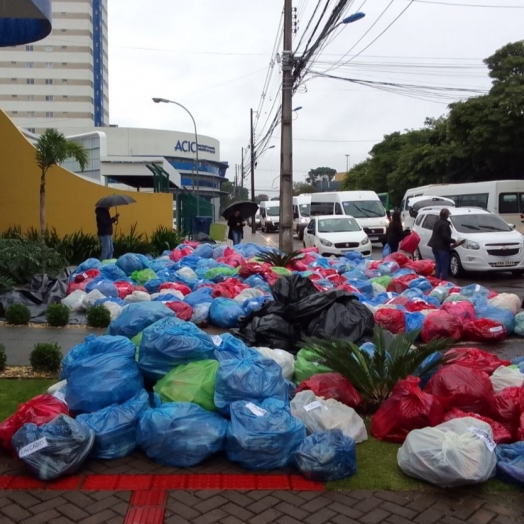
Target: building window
<point>30,65</point>
<point>48,48</point>
<point>64,30</point>
<point>64,63</point>
<point>30,98</point>
<point>30,81</point>
<point>31,114</point>
<point>31,129</point>
<point>64,47</point>
<point>14,79</point>
<point>14,63</point>
<point>29,48</point>
<point>48,81</point>
<point>48,65</point>
<point>14,96</point>
<point>49,114</point>
<point>49,98</point>
<point>64,79</point>
<point>65,113</point>
<point>14,112</point>
<point>65,96</point>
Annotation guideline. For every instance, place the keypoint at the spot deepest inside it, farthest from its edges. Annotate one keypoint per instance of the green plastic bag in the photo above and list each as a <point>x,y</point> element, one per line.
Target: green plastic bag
<point>143,276</point>
<point>382,281</point>
<point>281,271</point>
<point>136,341</point>
<point>193,382</point>
<point>455,297</point>
<point>109,261</point>
<point>307,365</point>
<point>225,271</point>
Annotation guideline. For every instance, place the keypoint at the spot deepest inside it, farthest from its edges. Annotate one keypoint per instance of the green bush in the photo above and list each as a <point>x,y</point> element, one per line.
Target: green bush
<point>18,314</point>
<point>3,358</point>
<point>98,316</point>
<point>164,239</point>
<point>57,315</point>
<point>131,242</point>
<point>46,358</point>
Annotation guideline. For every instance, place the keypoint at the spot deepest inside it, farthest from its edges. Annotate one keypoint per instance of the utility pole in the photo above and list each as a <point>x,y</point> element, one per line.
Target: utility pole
<point>252,149</point>
<point>286,142</point>
<point>347,163</point>
<point>242,171</point>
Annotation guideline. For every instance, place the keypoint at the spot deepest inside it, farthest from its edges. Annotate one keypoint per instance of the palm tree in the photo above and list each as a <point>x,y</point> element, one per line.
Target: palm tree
<point>52,149</point>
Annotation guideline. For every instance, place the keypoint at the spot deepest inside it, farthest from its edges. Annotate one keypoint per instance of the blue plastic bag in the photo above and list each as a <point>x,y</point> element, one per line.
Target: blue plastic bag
<point>115,427</point>
<point>386,251</point>
<point>388,268</point>
<point>510,462</point>
<point>420,283</point>
<point>364,286</point>
<point>225,312</point>
<point>263,436</point>
<point>68,444</point>
<point>136,317</point>
<point>180,434</point>
<point>503,316</point>
<point>354,274</point>
<point>204,251</point>
<point>131,262</point>
<point>100,380</point>
<point>200,295</point>
<point>201,312</point>
<point>369,348</point>
<point>254,304</point>
<point>171,342</point>
<point>90,263</point>
<point>414,321</point>
<point>190,261</point>
<point>166,297</point>
<point>434,358</point>
<point>106,287</point>
<point>92,345</point>
<point>253,379</point>
<point>112,272</point>
<point>233,348</point>
<point>474,289</point>
<point>153,285</point>
<point>354,255</point>
<point>327,455</point>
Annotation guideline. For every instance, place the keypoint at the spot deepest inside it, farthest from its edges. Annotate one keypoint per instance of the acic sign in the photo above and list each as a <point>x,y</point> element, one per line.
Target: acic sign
<point>190,147</point>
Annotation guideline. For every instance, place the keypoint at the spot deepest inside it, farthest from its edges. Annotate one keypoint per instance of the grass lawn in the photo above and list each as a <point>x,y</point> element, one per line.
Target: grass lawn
<point>377,467</point>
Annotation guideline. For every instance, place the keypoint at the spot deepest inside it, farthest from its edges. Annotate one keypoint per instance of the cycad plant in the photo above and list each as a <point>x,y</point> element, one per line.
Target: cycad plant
<point>375,375</point>
<point>278,259</point>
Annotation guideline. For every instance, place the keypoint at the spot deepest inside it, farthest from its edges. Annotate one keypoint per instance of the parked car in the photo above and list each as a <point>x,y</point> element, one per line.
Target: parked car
<point>490,243</point>
<point>336,235</point>
<point>257,220</point>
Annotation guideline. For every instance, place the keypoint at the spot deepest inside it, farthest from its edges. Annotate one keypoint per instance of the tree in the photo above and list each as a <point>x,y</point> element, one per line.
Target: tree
<point>320,175</point>
<point>52,149</point>
<point>301,187</point>
<point>261,198</point>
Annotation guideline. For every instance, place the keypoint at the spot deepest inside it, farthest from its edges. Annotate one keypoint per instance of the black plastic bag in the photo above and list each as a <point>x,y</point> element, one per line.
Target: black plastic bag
<point>288,290</point>
<point>55,449</point>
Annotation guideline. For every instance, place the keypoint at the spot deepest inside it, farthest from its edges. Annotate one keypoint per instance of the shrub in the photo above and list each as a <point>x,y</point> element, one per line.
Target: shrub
<point>277,259</point>
<point>18,314</point>
<point>164,239</point>
<point>57,315</point>
<point>46,358</point>
<point>3,357</point>
<point>98,316</point>
<point>132,242</point>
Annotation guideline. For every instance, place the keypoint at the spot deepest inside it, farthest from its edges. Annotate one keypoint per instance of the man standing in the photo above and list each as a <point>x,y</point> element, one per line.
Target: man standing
<point>236,227</point>
<point>104,224</point>
<point>442,243</point>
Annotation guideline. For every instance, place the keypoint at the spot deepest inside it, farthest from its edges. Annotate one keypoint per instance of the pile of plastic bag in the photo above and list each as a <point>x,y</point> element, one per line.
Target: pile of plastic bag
<point>231,288</point>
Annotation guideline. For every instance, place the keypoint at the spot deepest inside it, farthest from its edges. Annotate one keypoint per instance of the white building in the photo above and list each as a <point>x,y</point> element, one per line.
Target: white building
<point>61,81</point>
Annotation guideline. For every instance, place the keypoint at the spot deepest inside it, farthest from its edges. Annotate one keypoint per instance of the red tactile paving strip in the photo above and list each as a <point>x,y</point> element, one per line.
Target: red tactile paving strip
<point>190,482</point>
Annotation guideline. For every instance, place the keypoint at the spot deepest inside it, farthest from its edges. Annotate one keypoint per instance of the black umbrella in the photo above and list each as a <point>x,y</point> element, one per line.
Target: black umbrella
<point>114,201</point>
<point>246,208</point>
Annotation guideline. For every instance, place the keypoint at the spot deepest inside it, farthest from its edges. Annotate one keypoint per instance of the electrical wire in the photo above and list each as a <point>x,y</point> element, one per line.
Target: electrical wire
<point>437,2</point>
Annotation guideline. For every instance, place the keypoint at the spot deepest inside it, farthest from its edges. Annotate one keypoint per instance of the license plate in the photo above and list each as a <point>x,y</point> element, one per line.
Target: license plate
<point>373,239</point>
<point>504,263</point>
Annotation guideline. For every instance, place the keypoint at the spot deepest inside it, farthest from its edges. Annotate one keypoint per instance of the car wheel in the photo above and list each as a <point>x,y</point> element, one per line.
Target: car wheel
<point>455,266</point>
<point>417,255</point>
<point>300,234</point>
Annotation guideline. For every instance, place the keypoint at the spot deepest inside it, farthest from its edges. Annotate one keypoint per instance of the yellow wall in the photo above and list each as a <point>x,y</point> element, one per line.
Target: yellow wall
<point>70,200</point>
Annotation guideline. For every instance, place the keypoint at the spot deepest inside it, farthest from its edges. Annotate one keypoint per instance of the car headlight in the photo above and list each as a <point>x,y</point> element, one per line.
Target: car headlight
<point>303,220</point>
<point>469,244</point>
<point>325,242</point>
<point>364,241</point>
<point>268,219</point>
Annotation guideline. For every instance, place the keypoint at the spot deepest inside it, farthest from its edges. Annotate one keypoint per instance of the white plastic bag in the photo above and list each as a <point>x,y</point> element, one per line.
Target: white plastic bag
<point>508,301</point>
<point>113,308</point>
<point>56,387</point>
<point>519,324</point>
<point>174,292</point>
<point>74,300</point>
<point>201,312</point>
<point>504,377</point>
<point>137,296</point>
<point>187,272</point>
<point>378,289</point>
<point>284,359</point>
<point>90,299</point>
<point>318,414</point>
<point>455,453</point>
<point>246,294</point>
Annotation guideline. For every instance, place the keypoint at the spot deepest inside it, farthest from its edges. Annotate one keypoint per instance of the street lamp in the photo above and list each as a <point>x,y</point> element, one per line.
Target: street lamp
<point>166,101</point>
<point>347,163</point>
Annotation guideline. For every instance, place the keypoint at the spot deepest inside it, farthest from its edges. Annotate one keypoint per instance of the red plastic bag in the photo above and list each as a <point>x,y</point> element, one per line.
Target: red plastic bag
<point>441,325</point>
<point>74,286</point>
<point>182,310</point>
<point>348,288</point>
<point>124,288</point>
<point>393,320</point>
<point>520,431</point>
<point>415,305</point>
<point>501,435</point>
<point>455,290</point>
<point>508,409</point>
<point>39,410</point>
<point>463,388</point>
<point>463,309</point>
<point>400,284</point>
<point>230,288</point>
<point>298,265</point>
<point>309,250</point>
<point>434,281</point>
<point>399,258</point>
<point>407,408</point>
<point>87,275</point>
<point>410,243</point>
<point>177,254</point>
<point>474,358</point>
<point>252,268</point>
<point>140,288</point>
<point>338,280</point>
<point>332,385</point>
<point>484,330</point>
<point>424,268</point>
<point>185,290</point>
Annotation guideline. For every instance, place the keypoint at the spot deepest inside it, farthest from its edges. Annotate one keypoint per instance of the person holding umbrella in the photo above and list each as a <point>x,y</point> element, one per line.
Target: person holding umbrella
<point>104,221</point>
<point>236,227</point>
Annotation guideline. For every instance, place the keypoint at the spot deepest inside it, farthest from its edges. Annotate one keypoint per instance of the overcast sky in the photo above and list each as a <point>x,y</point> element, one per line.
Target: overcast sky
<point>213,56</point>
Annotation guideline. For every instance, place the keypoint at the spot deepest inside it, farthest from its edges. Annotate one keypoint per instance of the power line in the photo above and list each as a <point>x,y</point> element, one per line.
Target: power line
<point>437,2</point>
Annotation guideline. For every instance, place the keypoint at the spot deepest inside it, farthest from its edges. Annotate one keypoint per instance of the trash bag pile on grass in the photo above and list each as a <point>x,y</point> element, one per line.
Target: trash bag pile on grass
<point>316,296</point>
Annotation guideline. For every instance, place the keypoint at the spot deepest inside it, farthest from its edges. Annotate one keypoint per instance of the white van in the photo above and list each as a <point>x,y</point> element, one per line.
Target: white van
<point>364,206</point>
<point>502,197</point>
<point>269,215</point>
<point>301,211</point>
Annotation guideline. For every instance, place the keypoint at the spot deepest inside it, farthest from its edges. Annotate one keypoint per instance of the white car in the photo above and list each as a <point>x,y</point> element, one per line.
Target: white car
<point>336,235</point>
<point>490,243</point>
